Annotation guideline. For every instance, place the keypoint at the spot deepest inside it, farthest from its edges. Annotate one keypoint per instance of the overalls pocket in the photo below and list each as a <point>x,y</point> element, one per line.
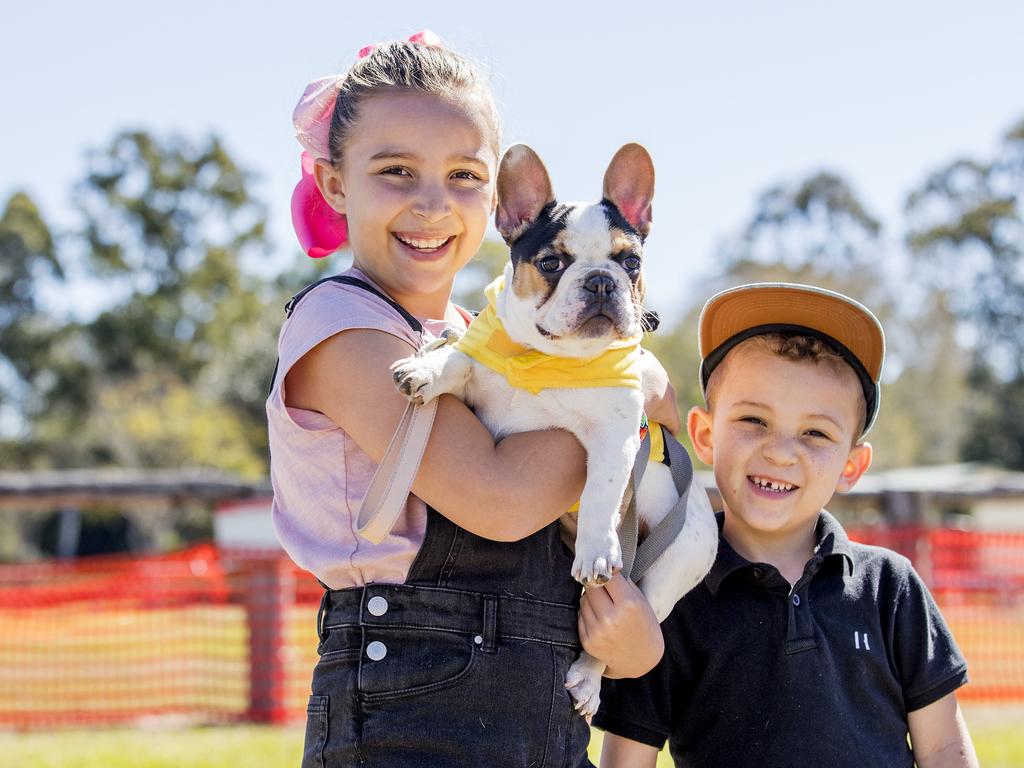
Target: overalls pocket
<point>402,662</point>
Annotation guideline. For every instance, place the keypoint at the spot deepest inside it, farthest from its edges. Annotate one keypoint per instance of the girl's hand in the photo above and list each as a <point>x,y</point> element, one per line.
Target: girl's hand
<point>618,627</point>
<point>659,395</point>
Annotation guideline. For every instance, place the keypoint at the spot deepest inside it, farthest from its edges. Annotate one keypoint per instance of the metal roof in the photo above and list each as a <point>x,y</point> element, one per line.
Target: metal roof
<point>192,483</point>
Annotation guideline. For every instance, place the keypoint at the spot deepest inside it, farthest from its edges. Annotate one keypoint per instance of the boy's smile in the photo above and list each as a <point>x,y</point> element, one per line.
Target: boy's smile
<point>781,439</point>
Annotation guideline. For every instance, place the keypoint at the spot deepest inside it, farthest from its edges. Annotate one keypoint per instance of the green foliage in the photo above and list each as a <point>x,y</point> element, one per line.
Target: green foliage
<point>487,264</point>
<point>994,413</point>
<point>174,371</point>
<point>27,254</point>
<point>966,237</point>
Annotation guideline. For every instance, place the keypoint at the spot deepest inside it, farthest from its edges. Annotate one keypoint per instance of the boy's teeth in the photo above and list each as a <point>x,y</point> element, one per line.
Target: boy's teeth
<point>771,484</point>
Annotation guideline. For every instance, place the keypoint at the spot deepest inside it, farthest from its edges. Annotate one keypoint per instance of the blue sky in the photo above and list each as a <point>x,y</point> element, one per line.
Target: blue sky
<point>728,97</point>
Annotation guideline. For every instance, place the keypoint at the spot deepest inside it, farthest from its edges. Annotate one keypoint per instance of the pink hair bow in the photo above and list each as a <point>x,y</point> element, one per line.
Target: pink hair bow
<point>322,230</point>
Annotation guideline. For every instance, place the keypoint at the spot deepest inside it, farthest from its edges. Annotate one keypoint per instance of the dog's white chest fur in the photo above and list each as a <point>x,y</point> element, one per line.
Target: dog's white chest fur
<point>506,410</point>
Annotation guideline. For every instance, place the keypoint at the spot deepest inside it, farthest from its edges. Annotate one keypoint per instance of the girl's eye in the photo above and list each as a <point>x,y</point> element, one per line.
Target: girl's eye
<point>550,264</point>
<point>466,175</point>
<point>631,263</point>
<point>395,170</point>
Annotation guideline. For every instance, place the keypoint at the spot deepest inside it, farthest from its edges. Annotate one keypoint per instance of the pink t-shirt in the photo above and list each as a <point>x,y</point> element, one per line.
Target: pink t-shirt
<point>318,473</point>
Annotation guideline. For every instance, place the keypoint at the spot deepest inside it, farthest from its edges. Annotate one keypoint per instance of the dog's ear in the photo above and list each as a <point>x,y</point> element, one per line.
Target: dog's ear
<point>523,190</point>
<point>629,186</point>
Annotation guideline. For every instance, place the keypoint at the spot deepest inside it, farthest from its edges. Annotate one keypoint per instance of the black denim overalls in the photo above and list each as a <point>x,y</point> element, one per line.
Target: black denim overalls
<point>462,665</point>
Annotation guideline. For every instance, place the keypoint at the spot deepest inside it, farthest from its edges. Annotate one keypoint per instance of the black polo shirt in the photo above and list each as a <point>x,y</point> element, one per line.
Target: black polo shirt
<point>757,675</point>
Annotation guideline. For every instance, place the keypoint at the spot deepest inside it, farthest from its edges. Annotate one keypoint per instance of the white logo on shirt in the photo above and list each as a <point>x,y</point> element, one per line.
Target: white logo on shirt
<point>857,640</point>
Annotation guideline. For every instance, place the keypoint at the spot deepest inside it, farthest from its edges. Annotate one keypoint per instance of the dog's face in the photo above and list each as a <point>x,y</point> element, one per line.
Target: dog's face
<point>574,284</point>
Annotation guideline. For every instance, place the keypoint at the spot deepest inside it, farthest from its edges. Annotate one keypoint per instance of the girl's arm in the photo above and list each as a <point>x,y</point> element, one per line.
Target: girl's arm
<point>502,491</point>
<point>939,737</point>
<point>620,752</point>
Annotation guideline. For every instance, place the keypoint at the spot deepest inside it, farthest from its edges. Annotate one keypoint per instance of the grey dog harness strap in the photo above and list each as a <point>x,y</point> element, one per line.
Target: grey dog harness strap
<point>637,559</point>
<point>629,527</point>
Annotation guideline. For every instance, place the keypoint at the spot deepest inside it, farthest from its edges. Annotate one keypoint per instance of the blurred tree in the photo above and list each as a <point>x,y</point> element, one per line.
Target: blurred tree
<point>27,256</point>
<point>966,235</point>
<point>488,263</point>
<point>167,225</point>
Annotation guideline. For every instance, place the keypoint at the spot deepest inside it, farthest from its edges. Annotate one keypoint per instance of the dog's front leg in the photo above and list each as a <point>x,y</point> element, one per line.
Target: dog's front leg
<point>611,450</point>
<point>441,371</point>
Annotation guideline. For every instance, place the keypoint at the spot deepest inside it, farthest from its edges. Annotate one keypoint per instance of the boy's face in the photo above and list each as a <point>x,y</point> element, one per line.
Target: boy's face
<point>781,440</point>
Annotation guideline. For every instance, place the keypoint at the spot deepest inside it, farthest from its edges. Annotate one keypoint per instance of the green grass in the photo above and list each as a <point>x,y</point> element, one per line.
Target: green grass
<point>998,736</point>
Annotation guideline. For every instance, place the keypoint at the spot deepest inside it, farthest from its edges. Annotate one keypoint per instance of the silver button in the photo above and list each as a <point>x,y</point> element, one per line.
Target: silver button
<point>796,599</point>
<point>478,640</point>
<point>377,606</point>
<point>376,650</point>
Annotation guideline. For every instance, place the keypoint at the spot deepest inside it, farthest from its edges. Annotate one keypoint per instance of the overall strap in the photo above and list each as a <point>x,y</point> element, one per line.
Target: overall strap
<point>349,280</point>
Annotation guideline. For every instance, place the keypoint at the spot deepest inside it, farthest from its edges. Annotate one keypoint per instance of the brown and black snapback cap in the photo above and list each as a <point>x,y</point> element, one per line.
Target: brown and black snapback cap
<point>736,314</point>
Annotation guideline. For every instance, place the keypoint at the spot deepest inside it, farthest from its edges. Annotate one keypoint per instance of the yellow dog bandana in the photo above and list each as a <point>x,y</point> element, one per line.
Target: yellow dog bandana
<point>487,342</point>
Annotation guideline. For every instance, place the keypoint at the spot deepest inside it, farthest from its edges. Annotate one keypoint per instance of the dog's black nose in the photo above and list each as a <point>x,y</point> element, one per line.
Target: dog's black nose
<point>600,284</point>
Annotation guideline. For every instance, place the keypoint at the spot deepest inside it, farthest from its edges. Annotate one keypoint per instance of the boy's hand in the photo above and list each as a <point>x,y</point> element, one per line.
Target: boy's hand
<point>659,395</point>
<point>618,627</point>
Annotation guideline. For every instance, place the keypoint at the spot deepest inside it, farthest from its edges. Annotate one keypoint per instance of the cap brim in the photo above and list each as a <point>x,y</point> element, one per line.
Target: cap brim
<point>736,310</point>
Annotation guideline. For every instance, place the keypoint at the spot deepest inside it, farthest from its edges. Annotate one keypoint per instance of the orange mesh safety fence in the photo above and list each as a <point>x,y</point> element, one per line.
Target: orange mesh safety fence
<point>977,579</point>
<point>203,636</point>
<point>208,635</point>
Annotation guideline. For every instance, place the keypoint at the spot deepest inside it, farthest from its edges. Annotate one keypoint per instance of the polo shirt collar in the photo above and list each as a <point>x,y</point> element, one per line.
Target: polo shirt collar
<point>829,534</point>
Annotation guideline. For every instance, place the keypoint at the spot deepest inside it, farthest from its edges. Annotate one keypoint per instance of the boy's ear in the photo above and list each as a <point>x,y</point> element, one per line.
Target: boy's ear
<point>330,183</point>
<point>856,465</point>
<point>698,426</point>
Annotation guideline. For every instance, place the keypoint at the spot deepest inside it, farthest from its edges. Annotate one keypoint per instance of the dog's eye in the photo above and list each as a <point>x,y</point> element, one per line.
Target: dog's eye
<point>550,264</point>
<point>631,263</point>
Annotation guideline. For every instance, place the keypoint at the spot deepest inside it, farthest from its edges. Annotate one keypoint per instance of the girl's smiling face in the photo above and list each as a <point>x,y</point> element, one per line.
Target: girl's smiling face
<point>416,183</point>
<point>781,436</point>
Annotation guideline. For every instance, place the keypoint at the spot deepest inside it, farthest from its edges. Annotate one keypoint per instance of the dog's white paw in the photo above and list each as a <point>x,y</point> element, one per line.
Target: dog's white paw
<point>583,682</point>
<point>415,377</point>
<point>596,562</point>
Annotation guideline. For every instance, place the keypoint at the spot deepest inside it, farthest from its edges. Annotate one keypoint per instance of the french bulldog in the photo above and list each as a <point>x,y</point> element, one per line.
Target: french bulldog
<point>573,289</point>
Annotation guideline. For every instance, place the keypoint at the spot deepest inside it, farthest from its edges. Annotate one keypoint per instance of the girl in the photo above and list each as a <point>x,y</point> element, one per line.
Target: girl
<point>447,643</point>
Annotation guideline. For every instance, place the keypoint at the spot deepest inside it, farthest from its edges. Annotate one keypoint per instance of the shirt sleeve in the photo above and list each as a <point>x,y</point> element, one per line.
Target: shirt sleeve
<point>639,709</point>
<point>326,310</point>
<point>929,662</point>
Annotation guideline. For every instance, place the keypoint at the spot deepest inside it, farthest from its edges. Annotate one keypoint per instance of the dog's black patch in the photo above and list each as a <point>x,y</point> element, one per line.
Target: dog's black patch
<point>537,240</point>
<point>541,232</point>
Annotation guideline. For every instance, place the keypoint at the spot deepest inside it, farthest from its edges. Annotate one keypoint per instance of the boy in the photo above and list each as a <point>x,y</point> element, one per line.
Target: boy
<point>800,648</point>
